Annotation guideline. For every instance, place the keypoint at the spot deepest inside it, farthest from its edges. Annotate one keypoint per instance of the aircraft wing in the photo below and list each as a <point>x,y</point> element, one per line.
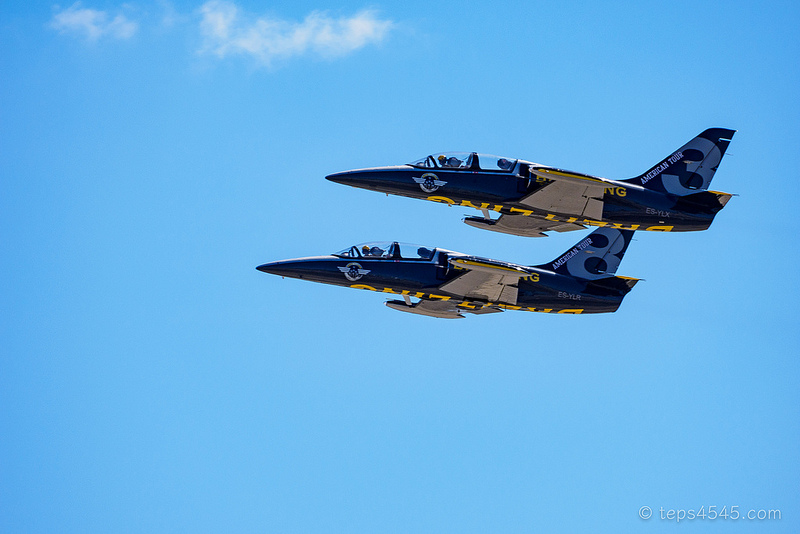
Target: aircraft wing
<point>432,308</point>
<point>444,309</point>
<point>528,226</point>
<point>486,280</point>
<point>575,194</point>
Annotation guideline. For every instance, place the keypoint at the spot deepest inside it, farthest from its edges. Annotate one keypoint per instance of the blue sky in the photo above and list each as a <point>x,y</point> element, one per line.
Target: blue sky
<point>153,153</point>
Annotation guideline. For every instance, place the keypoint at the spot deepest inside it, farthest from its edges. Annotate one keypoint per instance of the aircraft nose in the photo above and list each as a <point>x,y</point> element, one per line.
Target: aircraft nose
<point>377,178</point>
<point>306,268</point>
<point>340,177</point>
<point>281,268</point>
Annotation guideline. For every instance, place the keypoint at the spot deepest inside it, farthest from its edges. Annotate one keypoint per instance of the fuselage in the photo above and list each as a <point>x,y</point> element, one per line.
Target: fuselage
<point>540,290</point>
<point>624,205</point>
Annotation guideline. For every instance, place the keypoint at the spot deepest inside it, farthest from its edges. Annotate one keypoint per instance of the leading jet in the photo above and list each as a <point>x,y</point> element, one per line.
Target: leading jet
<point>443,283</point>
<point>672,196</point>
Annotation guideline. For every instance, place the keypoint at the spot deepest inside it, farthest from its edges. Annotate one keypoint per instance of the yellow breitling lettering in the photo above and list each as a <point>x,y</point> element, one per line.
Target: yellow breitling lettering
<point>468,204</point>
<point>659,228</point>
<point>417,294</point>
<point>466,304</point>
<point>619,191</point>
<point>363,286</point>
<point>551,217</point>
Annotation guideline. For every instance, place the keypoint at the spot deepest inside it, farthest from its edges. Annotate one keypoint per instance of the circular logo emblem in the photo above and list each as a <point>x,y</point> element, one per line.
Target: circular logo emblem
<point>353,271</point>
<point>429,182</point>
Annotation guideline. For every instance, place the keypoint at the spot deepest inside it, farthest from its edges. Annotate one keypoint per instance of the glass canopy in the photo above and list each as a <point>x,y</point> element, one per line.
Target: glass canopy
<point>465,161</point>
<point>389,250</point>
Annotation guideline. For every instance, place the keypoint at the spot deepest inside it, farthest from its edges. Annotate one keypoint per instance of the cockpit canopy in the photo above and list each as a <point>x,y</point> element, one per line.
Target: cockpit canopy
<point>389,250</point>
<point>466,161</point>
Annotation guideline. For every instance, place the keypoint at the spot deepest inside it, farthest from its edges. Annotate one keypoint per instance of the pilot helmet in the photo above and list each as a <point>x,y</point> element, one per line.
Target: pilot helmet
<point>442,158</point>
<point>365,249</point>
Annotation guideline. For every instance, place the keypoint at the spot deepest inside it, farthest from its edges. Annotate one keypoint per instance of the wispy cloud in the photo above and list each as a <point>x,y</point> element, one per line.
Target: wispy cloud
<point>92,24</point>
<point>226,32</point>
<point>170,17</point>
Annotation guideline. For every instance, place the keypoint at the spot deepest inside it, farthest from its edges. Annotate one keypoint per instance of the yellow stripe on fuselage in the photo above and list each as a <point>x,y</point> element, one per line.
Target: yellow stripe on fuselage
<point>569,175</point>
<point>489,265</point>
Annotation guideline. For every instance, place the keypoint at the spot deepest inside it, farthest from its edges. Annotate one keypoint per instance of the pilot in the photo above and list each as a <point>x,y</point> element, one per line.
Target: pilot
<point>504,164</point>
<point>374,251</point>
<point>452,161</point>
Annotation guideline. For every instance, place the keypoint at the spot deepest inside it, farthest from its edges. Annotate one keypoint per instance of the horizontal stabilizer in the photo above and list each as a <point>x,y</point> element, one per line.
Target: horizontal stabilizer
<point>622,284</point>
<point>704,202</point>
<point>723,198</point>
<point>630,282</point>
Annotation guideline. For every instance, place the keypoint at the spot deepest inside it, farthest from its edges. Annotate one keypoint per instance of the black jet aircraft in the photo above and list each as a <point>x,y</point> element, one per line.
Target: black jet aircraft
<point>447,284</point>
<point>672,196</point>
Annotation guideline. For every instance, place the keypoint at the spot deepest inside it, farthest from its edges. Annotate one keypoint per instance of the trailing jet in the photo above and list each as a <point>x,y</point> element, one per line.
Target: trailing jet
<point>672,196</point>
<point>447,284</point>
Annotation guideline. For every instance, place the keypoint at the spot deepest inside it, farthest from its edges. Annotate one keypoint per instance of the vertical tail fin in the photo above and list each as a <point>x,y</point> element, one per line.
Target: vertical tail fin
<point>690,168</point>
<point>596,256</point>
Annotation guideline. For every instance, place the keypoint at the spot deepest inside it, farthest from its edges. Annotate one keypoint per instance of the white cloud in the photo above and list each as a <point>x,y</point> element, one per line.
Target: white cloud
<point>92,24</point>
<point>266,39</point>
<point>170,16</point>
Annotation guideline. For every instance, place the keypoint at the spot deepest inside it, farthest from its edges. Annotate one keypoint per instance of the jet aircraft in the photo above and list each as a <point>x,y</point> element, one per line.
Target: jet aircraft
<point>447,284</point>
<point>672,196</point>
